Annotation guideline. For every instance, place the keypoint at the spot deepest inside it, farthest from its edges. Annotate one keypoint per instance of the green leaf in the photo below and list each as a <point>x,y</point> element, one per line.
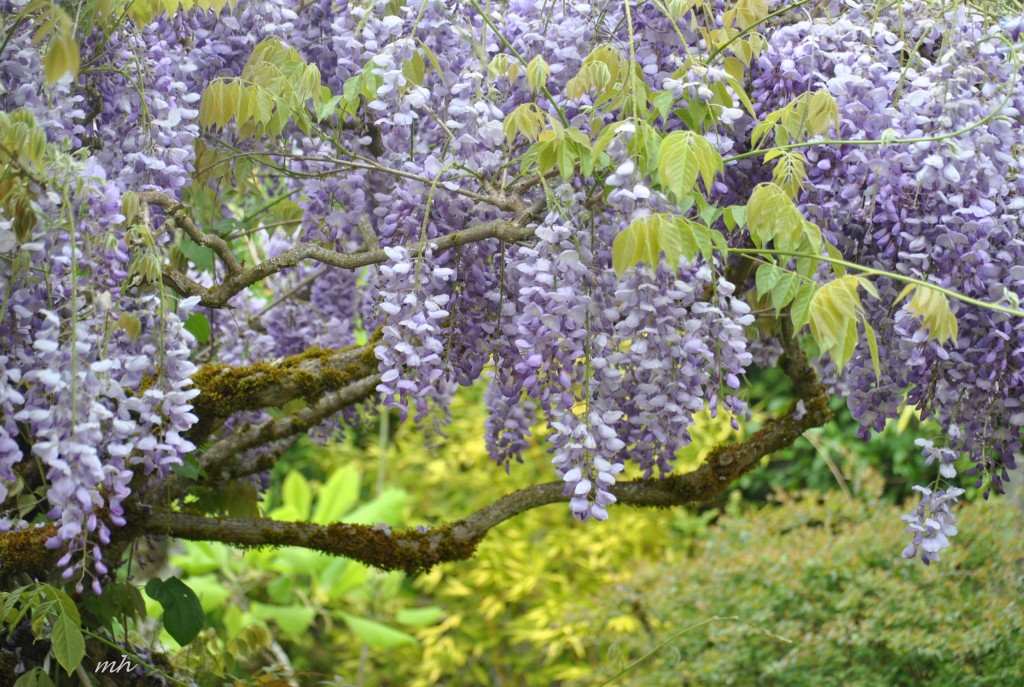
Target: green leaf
<point>67,642</point>
<point>638,242</point>
<point>834,304</point>
<point>210,591</point>
<point>790,170</point>
<point>294,620</point>
<point>766,277</point>
<point>377,635</point>
<point>647,237</point>
<point>387,507</point>
<point>296,494</point>
<point>349,578</point>
<point>869,334</point>
<point>338,495</point>
<point>419,617</point>
<point>189,468</point>
<point>801,304</point>
<point>199,326</point>
<point>735,216</point>
<point>823,112</point>
<point>62,57</point>
<point>414,68</point>
<point>681,157</point>
<point>834,253</point>
<point>36,677</point>
<point>785,290</point>
<point>183,614</point>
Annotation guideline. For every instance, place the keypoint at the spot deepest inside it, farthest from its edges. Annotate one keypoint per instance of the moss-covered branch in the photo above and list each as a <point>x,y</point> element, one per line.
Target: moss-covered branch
<point>225,390</point>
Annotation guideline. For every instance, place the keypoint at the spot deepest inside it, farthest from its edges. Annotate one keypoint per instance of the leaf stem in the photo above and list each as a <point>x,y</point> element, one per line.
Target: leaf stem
<point>881,273</point>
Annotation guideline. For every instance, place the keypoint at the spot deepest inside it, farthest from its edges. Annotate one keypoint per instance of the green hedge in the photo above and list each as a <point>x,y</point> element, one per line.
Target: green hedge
<point>822,598</point>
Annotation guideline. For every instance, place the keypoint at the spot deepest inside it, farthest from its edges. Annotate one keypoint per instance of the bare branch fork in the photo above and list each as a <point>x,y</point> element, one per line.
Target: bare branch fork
<point>239,278</point>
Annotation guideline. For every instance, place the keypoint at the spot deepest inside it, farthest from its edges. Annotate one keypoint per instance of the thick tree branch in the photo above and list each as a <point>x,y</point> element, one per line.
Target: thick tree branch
<point>418,550</point>
<point>225,390</point>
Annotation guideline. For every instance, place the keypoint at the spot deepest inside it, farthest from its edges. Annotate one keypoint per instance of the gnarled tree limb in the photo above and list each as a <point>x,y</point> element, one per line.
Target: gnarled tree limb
<point>418,550</point>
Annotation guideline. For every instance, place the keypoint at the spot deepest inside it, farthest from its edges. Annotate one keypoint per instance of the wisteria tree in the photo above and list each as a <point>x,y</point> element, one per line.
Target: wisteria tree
<point>223,227</point>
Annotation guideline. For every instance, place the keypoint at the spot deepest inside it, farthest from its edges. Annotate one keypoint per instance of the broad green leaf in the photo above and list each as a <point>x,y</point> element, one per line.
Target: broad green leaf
<point>682,156</point>
<point>64,603</point>
<point>663,102</point>
<point>834,312</point>
<point>67,642</point>
<point>419,617</point>
<point>198,325</point>
<point>785,290</point>
<point>353,576</point>
<point>799,310</point>
<point>202,557</point>
<point>377,635</point>
<point>62,57</point>
<point>414,68</point>
<point>387,507</point>
<point>36,677</point>
<point>834,304</point>
<point>735,216</point>
<point>294,620</point>
<point>766,277</point>
<point>211,108</point>
<point>822,113</point>
<point>638,242</point>
<point>282,589</point>
<point>834,253</point>
<point>527,119</point>
<point>647,237</point>
<point>869,334</point>
<point>183,614</point>
<point>605,137</point>
<point>592,77</point>
<point>296,494</point>
<point>338,495</point>
<point>846,344</point>
<point>210,591</point>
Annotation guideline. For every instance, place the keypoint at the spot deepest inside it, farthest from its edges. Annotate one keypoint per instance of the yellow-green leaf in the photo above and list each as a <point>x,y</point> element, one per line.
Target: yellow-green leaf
<point>933,308</point>
<point>770,212</point>
<point>750,12</point>
<point>537,73</point>
<point>62,57</point>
